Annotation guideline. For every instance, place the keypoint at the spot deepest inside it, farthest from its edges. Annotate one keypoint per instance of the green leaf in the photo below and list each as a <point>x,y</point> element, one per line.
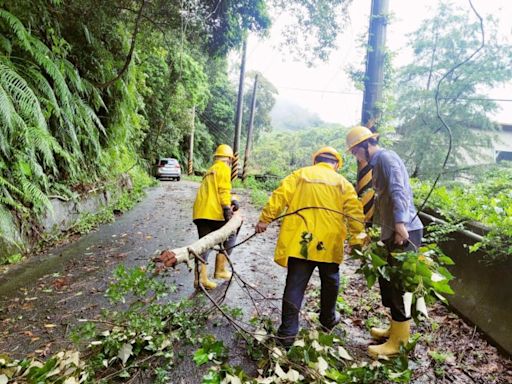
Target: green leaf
<point>377,261</point>
<point>446,260</point>
<point>306,239</point>
<point>443,287</point>
<point>200,357</point>
<point>384,272</point>
<point>443,271</point>
<point>370,279</point>
<point>326,339</point>
<point>25,168</point>
<point>124,374</point>
<point>212,377</point>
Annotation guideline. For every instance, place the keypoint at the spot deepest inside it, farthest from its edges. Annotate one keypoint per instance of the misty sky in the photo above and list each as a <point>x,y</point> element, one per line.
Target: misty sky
<point>326,88</point>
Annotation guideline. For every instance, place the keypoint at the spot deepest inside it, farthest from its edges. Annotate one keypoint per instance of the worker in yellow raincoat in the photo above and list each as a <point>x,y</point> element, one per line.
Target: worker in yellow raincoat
<point>213,207</point>
<point>313,237</point>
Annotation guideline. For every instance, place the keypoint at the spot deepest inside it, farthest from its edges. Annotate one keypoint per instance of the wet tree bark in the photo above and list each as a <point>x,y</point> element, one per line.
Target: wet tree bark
<point>169,258</point>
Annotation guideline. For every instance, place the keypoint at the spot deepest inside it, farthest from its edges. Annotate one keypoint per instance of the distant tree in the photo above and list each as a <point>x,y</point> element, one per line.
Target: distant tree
<point>265,101</point>
<point>310,34</point>
<point>281,152</point>
<point>439,44</point>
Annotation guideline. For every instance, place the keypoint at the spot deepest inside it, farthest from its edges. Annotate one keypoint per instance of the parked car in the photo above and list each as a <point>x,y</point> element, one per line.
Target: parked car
<point>168,168</point>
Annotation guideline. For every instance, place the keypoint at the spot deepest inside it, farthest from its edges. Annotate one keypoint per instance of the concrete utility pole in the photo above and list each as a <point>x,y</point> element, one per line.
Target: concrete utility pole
<point>249,130</point>
<point>239,108</point>
<point>190,169</point>
<point>373,84</point>
<point>374,74</point>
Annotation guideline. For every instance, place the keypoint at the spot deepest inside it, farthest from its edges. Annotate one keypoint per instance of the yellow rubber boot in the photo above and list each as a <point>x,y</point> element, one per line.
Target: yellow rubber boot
<point>399,334</point>
<point>203,277</point>
<point>220,267</point>
<point>380,333</point>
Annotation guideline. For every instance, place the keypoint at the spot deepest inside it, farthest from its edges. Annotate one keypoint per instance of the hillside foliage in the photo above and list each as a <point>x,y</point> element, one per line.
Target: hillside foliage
<point>93,89</point>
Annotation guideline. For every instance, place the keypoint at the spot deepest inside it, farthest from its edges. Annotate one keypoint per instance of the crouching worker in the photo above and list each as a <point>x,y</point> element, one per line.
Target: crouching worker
<point>313,237</point>
<point>213,207</point>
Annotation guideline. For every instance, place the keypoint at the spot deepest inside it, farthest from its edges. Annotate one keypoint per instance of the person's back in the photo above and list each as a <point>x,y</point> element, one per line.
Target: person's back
<point>325,191</point>
<point>394,200</point>
<point>318,202</point>
<point>213,207</point>
<point>214,193</point>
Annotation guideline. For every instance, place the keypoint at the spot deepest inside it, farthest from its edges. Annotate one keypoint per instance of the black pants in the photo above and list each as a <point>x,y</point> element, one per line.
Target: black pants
<point>299,273</point>
<point>390,291</point>
<point>205,227</point>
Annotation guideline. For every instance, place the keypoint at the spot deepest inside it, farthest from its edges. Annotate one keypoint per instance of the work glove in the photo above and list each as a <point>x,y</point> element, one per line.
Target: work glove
<point>227,212</point>
<point>235,205</point>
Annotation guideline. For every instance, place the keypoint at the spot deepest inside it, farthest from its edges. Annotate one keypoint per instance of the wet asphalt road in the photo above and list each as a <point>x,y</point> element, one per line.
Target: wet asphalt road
<point>42,299</point>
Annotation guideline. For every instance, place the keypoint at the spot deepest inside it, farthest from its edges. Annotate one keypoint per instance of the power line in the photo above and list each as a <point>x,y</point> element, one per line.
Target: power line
<point>214,127</point>
<point>359,92</point>
<point>320,90</point>
<point>473,99</point>
<point>216,131</point>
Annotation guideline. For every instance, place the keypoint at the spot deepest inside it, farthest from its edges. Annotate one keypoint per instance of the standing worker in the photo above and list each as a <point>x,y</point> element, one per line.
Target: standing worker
<point>213,207</point>
<point>401,229</point>
<point>313,237</point>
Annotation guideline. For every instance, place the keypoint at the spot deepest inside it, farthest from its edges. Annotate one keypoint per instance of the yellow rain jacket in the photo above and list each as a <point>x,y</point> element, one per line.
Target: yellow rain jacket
<point>214,193</point>
<point>315,186</point>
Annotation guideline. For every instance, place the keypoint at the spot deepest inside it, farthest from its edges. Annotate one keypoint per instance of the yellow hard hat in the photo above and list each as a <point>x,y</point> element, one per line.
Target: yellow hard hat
<point>223,150</point>
<point>357,135</point>
<point>329,152</point>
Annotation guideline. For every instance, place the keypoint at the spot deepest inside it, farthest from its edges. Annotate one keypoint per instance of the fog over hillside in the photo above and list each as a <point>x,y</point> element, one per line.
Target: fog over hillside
<point>286,115</point>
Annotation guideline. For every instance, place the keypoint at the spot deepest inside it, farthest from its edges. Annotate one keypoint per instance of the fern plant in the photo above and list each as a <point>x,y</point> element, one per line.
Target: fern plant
<point>49,130</point>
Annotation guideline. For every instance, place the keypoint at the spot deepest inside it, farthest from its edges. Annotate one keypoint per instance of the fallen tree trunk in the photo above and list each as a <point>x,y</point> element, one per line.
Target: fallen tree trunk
<point>169,258</point>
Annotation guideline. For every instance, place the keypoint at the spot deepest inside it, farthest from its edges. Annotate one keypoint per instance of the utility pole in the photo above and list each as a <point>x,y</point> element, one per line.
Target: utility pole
<point>375,57</point>
<point>239,109</point>
<point>249,130</point>
<point>373,84</point>
<point>190,169</point>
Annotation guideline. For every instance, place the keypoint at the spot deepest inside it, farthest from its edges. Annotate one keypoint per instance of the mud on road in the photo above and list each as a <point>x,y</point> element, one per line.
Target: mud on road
<point>42,299</point>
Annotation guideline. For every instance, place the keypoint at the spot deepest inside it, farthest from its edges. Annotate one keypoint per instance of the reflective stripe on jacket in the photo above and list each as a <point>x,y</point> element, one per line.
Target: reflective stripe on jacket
<point>315,186</point>
<point>214,193</point>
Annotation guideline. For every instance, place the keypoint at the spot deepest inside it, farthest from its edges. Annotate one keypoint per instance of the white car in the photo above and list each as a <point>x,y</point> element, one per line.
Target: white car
<point>168,168</point>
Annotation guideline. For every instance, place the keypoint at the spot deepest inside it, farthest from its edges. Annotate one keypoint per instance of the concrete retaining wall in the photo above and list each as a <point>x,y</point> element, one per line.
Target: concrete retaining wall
<point>66,213</point>
<point>63,215</point>
<point>483,293</point>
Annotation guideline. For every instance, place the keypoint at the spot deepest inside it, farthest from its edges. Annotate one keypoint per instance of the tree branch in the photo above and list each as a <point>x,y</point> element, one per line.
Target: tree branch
<point>130,53</point>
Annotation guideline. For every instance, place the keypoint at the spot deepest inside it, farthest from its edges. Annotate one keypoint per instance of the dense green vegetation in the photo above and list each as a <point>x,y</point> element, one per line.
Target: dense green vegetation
<point>90,90</point>
<point>280,152</point>
<point>486,198</point>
